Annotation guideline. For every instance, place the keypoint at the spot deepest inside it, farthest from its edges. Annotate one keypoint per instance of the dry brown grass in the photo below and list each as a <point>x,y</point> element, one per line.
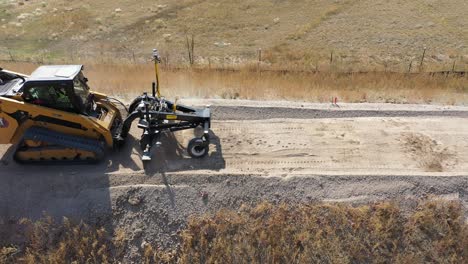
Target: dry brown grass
<point>129,80</point>
<point>375,31</point>
<point>47,241</point>
<point>325,233</point>
<point>328,11</point>
<point>433,232</point>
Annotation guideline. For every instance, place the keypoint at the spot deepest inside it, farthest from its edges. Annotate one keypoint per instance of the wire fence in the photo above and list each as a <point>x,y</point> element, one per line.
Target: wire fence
<point>334,62</point>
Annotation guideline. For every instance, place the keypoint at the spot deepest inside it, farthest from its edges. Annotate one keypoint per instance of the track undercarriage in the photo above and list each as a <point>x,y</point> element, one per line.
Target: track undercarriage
<point>40,144</point>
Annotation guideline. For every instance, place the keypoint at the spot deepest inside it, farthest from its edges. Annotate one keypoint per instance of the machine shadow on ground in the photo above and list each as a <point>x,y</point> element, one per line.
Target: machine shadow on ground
<point>172,156</point>
<point>78,192</point>
<point>124,156</point>
<point>81,192</point>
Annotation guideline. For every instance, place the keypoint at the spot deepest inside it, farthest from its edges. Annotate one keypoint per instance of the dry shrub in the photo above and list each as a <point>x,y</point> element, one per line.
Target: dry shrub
<point>433,232</point>
<point>327,233</point>
<point>46,241</point>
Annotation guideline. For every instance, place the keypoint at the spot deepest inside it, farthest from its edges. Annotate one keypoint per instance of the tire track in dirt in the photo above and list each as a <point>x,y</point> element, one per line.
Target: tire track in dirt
<point>259,113</point>
<point>325,145</point>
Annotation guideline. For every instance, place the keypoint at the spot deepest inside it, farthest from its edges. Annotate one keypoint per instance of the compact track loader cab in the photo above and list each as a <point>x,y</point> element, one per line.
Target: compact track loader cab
<point>53,115</point>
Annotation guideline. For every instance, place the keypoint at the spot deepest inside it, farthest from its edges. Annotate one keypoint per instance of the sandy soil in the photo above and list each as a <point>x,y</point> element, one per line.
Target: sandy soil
<point>281,152</point>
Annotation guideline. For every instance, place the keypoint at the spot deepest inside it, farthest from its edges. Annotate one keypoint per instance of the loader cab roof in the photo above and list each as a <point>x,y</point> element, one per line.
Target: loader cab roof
<point>55,72</point>
<point>61,87</point>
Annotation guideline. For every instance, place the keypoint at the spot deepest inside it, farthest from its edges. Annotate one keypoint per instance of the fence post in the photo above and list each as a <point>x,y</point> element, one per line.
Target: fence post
<point>166,60</point>
<point>422,60</point>
<point>42,57</point>
<point>410,65</point>
<point>11,56</point>
<point>72,55</point>
<point>193,49</point>
<point>259,58</point>
<point>190,49</point>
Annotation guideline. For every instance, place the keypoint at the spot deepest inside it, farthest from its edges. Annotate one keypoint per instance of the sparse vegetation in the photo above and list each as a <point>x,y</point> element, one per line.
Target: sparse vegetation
<point>434,232</point>
<point>361,33</point>
<point>127,80</point>
<point>328,11</point>
<point>47,241</point>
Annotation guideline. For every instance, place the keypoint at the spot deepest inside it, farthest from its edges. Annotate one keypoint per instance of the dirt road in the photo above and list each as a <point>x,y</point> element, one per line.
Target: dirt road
<point>277,151</point>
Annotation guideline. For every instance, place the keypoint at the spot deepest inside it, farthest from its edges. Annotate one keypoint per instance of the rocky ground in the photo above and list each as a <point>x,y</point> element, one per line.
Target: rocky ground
<point>275,151</point>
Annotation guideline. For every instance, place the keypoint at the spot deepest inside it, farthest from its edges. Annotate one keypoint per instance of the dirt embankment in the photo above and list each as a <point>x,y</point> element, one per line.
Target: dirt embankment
<point>300,153</point>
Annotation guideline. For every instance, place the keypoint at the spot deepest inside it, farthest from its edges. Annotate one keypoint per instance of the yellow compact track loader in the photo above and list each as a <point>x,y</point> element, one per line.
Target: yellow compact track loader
<point>52,115</point>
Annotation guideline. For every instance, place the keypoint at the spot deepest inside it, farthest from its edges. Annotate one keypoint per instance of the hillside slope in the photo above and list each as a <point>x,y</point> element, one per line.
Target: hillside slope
<point>306,31</point>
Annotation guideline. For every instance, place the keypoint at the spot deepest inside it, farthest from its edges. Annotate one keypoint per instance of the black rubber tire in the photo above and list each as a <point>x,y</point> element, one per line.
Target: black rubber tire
<point>197,148</point>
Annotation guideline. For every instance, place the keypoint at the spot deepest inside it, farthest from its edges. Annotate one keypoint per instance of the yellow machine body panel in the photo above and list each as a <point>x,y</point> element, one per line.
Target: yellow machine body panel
<point>53,119</point>
<point>8,127</point>
<point>53,115</point>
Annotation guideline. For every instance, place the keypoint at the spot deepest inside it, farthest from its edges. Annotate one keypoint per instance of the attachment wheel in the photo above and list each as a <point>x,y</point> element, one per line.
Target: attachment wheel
<point>197,148</point>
